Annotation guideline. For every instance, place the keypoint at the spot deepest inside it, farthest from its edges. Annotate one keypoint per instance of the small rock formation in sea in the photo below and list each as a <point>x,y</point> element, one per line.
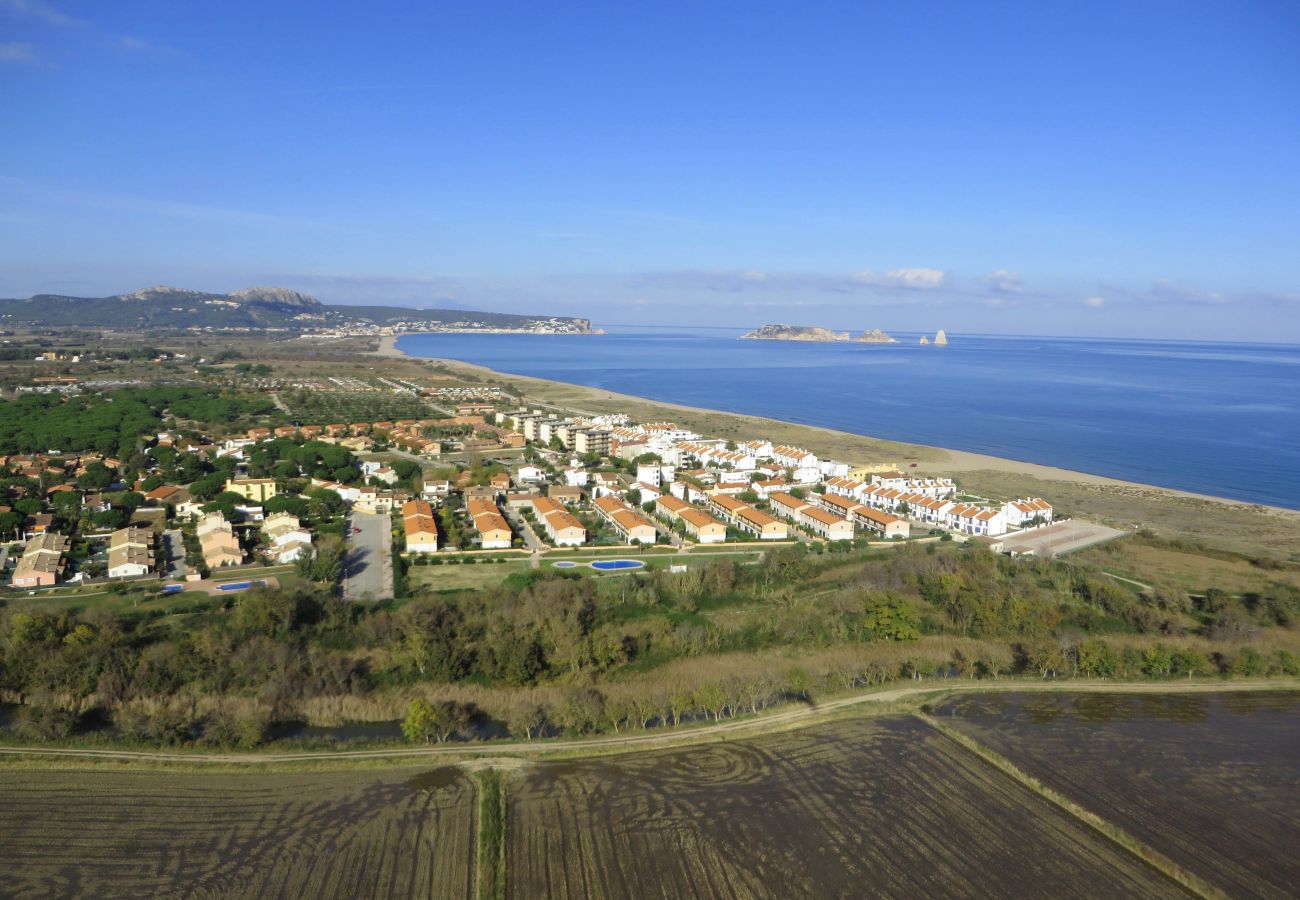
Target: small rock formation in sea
<point>941,339</point>
<point>924,340</point>
<point>794,333</point>
<point>875,336</point>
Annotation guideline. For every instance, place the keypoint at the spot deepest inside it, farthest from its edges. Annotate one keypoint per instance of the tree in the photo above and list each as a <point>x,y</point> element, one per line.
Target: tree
<point>431,722</point>
<point>712,698</point>
<point>527,719</point>
<point>96,477</point>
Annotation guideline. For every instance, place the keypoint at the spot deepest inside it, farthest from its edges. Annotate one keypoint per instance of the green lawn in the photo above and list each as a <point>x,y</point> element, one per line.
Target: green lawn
<point>462,577</point>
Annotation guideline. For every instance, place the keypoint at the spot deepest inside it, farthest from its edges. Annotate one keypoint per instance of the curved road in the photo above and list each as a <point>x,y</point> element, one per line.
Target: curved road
<point>786,717</point>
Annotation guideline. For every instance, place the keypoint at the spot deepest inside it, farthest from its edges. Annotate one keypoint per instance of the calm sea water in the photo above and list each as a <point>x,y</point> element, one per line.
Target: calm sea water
<point>1216,418</point>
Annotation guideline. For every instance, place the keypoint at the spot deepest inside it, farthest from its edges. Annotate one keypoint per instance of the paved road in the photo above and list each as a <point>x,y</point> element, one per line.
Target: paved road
<point>172,563</point>
<point>368,565</point>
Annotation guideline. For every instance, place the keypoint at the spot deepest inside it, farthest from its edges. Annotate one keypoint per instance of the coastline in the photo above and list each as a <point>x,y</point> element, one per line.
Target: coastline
<point>1126,504</point>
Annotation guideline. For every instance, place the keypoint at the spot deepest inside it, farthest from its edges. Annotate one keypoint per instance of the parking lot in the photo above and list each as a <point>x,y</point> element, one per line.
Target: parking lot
<point>367,567</point>
<point>1061,537</point>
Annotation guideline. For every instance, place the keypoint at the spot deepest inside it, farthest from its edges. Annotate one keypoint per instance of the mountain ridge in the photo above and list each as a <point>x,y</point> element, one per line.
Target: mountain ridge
<point>255,309</point>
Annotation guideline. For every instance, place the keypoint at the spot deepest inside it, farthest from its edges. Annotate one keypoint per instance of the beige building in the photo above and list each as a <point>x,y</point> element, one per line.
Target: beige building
<point>130,553</point>
<point>254,490</point>
<point>42,563</point>
<point>630,523</point>
<point>218,543</point>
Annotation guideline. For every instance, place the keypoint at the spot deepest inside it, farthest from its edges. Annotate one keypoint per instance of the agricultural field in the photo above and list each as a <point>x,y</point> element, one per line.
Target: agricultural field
<point>867,807</point>
<point>381,405</point>
<point>1209,780</point>
<point>158,834</point>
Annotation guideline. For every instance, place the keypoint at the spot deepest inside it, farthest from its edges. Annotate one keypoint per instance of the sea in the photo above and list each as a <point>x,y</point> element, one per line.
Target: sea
<point>1215,418</point>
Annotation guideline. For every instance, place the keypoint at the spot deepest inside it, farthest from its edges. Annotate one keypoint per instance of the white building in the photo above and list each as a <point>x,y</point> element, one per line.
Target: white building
<point>977,520</point>
<point>1020,513</point>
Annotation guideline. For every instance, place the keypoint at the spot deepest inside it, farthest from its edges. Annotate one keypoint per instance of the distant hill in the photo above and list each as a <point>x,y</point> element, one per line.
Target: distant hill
<point>253,309</point>
<point>450,318</point>
<point>814,333</point>
<point>794,333</point>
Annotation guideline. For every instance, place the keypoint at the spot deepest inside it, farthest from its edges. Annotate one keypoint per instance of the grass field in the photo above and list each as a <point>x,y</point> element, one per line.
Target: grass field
<point>1186,571</point>
<point>461,577</point>
<point>158,834</point>
<point>851,809</point>
<point>1208,780</point>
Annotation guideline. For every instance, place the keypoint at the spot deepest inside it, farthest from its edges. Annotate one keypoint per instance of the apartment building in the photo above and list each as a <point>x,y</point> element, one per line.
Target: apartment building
<point>560,525</point>
<point>630,523</point>
<point>254,490</point>
<point>130,553</point>
<point>1020,513</point>
<point>218,543</point>
<point>493,529</point>
<point>42,563</point>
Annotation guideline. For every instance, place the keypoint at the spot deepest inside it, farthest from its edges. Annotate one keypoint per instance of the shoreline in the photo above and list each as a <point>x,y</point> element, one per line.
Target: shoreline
<point>994,472</point>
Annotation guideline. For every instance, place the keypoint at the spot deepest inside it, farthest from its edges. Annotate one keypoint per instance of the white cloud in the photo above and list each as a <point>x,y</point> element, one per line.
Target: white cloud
<point>1095,302</point>
<point>1163,289</point>
<point>19,54</point>
<point>34,9</point>
<point>911,279</point>
<point>1002,281</point>
<point>924,279</point>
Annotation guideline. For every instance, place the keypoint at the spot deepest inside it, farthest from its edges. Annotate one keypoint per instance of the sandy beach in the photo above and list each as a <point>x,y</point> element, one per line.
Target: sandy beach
<point>1217,521</point>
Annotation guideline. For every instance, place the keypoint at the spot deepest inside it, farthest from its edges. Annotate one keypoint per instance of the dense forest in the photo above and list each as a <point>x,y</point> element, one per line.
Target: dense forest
<point>114,422</point>
<point>549,652</point>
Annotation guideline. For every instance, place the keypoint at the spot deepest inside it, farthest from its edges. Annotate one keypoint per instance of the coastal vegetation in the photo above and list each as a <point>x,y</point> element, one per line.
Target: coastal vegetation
<point>543,652</point>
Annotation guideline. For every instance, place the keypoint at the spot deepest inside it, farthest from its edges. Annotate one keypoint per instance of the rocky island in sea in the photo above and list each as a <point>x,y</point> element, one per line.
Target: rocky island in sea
<point>814,333</point>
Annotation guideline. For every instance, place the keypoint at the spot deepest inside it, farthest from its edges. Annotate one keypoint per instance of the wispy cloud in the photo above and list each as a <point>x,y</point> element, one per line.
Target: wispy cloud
<point>1164,290</point>
<point>16,54</point>
<point>1001,281</point>
<point>171,209</point>
<point>909,279</point>
<point>41,12</point>
<point>141,47</point>
<point>1095,302</point>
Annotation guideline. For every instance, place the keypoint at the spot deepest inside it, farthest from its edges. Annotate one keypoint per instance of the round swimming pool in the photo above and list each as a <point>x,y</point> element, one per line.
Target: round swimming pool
<point>612,565</point>
<point>565,564</point>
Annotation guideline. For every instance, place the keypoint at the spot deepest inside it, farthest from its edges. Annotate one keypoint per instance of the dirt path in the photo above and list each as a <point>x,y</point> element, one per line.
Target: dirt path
<point>790,717</point>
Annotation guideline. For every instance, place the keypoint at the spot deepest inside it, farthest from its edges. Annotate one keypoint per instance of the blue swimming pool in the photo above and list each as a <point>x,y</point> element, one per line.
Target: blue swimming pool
<point>566,564</point>
<point>240,585</point>
<point>611,565</point>
<point>173,588</point>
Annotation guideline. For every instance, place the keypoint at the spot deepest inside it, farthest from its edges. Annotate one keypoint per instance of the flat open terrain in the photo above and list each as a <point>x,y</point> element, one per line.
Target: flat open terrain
<point>852,809</point>
<point>160,834</point>
<point>1209,780</point>
<point>1186,570</point>
<point>1062,537</point>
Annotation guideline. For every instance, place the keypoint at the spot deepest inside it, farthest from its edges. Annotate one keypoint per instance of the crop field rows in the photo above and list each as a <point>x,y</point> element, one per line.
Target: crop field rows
<point>326,407</point>
<point>85,834</point>
<point>862,808</point>
<point>855,808</point>
<point>1209,780</point>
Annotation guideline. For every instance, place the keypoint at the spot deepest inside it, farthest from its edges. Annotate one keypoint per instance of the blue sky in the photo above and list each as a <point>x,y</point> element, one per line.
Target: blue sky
<point>1086,169</point>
